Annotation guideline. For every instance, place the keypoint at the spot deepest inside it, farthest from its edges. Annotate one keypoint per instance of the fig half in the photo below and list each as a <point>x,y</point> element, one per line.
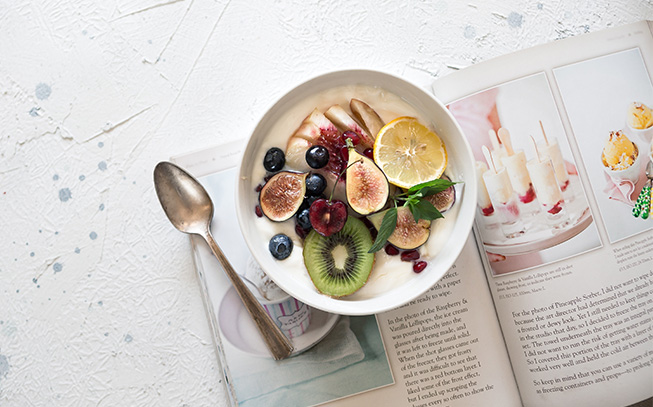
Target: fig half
<point>366,185</point>
<point>408,234</point>
<point>282,195</point>
<point>443,200</point>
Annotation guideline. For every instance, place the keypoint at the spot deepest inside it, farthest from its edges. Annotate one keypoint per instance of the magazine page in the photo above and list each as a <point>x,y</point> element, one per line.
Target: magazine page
<point>444,348</point>
<point>562,136</point>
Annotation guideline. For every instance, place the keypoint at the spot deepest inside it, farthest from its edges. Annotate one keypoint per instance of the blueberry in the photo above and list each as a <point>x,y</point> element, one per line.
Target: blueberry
<point>303,219</point>
<point>317,156</point>
<point>315,184</point>
<point>274,159</point>
<point>280,246</point>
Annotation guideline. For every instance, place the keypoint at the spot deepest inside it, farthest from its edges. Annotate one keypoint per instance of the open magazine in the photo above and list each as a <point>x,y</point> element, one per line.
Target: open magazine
<point>550,307</point>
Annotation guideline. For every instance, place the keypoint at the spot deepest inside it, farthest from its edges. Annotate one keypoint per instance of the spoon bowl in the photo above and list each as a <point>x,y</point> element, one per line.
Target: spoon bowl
<point>190,209</point>
<point>186,203</point>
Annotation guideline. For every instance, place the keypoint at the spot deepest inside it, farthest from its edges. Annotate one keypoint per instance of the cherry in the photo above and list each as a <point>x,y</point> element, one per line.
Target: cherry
<point>328,217</point>
<point>391,250</point>
<point>369,153</point>
<point>419,266</point>
<point>410,255</point>
<point>344,153</point>
<point>355,138</point>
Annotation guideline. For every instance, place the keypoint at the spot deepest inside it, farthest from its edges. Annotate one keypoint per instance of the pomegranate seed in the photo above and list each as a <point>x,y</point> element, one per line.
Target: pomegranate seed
<point>391,250</point>
<point>419,266</point>
<point>258,188</point>
<point>410,255</point>
<point>258,211</point>
<point>369,153</point>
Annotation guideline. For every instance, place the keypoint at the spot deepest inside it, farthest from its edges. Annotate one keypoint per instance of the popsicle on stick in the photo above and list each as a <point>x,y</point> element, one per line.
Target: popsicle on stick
<point>515,163</point>
<point>548,191</point>
<point>498,150</point>
<point>502,197</point>
<point>551,149</point>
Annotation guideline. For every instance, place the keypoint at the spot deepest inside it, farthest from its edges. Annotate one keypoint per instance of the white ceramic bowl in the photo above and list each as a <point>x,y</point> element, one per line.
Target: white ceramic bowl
<point>450,235</point>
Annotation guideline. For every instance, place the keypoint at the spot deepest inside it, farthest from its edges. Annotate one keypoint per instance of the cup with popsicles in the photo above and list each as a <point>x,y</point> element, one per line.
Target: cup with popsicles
<point>502,197</point>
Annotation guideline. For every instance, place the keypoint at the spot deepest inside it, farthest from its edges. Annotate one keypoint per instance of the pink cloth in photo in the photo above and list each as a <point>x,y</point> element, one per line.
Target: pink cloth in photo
<point>472,114</point>
<point>619,190</point>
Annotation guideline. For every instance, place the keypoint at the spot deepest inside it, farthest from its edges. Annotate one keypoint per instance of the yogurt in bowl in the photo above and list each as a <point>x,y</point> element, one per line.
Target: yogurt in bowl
<point>392,282</point>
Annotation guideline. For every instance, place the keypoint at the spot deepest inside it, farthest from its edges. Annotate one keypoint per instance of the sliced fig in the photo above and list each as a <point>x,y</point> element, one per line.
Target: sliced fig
<point>366,116</point>
<point>366,185</point>
<point>345,122</point>
<point>408,234</point>
<point>282,195</point>
<point>444,200</point>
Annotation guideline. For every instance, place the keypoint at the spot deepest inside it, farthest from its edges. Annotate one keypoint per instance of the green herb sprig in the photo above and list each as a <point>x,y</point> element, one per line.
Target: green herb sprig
<point>420,208</point>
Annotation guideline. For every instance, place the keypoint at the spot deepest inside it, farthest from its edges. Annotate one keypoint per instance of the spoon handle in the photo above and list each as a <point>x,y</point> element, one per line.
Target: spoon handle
<point>276,341</point>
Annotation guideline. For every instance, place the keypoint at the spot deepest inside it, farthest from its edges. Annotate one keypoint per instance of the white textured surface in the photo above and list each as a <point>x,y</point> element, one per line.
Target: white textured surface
<point>98,301</point>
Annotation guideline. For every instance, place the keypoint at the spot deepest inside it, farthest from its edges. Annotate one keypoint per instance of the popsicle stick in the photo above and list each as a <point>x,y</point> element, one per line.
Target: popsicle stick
<point>546,140</point>
<point>488,158</point>
<point>504,136</point>
<point>537,152</point>
<point>494,140</point>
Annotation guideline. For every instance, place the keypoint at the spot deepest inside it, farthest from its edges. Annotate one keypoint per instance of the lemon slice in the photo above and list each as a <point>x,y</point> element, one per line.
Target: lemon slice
<point>409,153</point>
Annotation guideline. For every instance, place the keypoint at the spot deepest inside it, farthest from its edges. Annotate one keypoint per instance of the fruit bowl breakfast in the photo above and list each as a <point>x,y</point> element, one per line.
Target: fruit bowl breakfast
<point>356,192</point>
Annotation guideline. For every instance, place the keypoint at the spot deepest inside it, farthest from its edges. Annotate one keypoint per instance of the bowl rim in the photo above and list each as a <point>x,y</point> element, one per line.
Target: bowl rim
<point>464,221</point>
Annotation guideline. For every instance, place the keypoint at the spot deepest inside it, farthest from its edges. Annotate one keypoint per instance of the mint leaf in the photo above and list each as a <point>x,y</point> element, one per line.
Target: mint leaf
<point>387,227</point>
<point>430,187</point>
<point>414,209</point>
<point>424,209</point>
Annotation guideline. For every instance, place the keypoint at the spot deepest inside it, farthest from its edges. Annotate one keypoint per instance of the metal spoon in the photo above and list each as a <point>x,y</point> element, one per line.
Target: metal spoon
<point>189,208</point>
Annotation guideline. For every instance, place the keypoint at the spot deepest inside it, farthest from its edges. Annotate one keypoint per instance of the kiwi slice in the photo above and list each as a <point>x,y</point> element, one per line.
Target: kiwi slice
<point>340,264</point>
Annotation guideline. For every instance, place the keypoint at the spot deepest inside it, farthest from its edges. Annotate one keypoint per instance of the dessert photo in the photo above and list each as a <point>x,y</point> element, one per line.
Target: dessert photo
<point>532,208</point>
<point>613,126</point>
